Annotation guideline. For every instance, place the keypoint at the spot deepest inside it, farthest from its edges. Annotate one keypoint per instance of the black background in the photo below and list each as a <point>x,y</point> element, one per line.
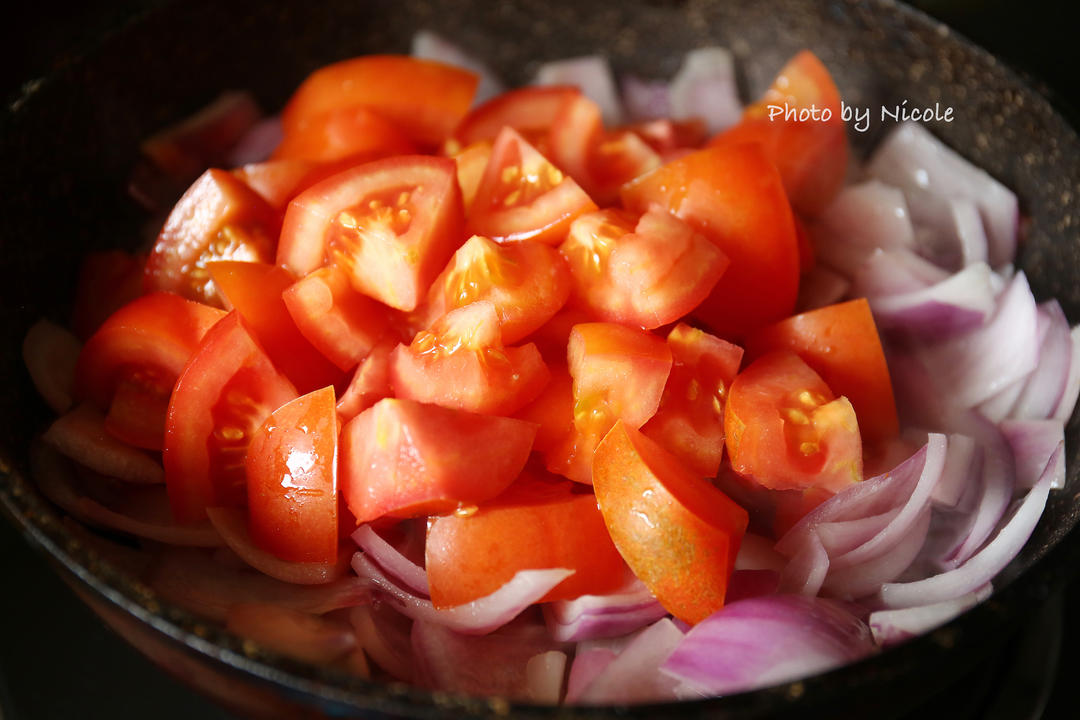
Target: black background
<point>73,667</point>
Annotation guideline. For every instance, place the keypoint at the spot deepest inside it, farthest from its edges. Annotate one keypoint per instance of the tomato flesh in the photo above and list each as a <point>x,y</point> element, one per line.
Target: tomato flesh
<point>370,383</point>
<point>348,133</point>
<point>531,111</point>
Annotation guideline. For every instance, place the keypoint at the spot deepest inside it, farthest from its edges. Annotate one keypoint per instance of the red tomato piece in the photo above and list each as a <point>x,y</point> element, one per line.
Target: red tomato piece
<point>522,196</point>
<point>690,420</point>
<point>355,133</point>
<point>471,161</point>
<point>291,468</point>
<point>527,282</point>
<point>787,431</point>
<point>536,524</point>
<point>529,110</point>
<point>279,181</point>
<point>425,99</point>
<point>553,410</point>
<point>676,531</point>
<point>665,136</point>
<point>225,393</point>
<point>733,196</point>
<point>619,374</point>
<point>811,155</point>
<point>137,414</point>
<point>255,290</point>
<point>218,218</point>
<point>646,272</point>
<point>406,459</point>
<point>390,225</point>
<point>107,281</point>
<point>554,335</point>
<point>340,322</point>
<point>841,343</point>
<point>370,383</point>
<point>462,363</point>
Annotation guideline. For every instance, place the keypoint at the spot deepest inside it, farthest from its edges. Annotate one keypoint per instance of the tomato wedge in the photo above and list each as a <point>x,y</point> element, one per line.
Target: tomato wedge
<point>425,99</point>
<point>528,283</point>
<point>370,383</point>
<point>787,431</point>
<point>841,343</point>
<point>530,110</point>
<point>291,468</point>
<point>811,155</point>
<point>733,196</point>
<point>354,132</point>
<point>218,218</point>
<point>279,181</point>
<point>646,272</point>
<point>407,459</point>
<point>522,196</point>
<point>690,420</point>
<point>225,393</point>
<point>471,161</point>
<point>535,525</point>
<point>390,225</point>
<point>676,531</point>
<point>462,363</point>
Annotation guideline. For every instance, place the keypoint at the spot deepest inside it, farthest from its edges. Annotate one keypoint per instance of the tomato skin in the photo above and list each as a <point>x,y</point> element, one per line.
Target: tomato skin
<point>646,273</point>
<point>471,161</point>
<point>676,531</point>
<point>462,363</point>
<point>279,181</point>
<point>255,291</point>
<point>529,110</point>
<point>812,157</point>
<point>690,420</point>
<point>425,99</point>
<point>227,390</point>
<point>341,323</point>
<point>733,196</point>
<point>552,411</point>
<point>785,429</point>
<point>391,225</point>
<point>406,459</point>
<point>370,383</point>
<point>536,524</point>
<point>218,218</point>
<point>528,283</point>
<point>841,343</point>
<point>523,196</point>
<point>344,133</point>
<point>291,468</point>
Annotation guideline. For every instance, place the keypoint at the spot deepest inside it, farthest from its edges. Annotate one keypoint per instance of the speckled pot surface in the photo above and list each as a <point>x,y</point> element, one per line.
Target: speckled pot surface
<point>68,143</point>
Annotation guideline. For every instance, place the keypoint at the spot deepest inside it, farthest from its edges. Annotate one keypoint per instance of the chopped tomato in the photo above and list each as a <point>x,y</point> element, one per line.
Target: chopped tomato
<point>552,337</point>
<point>340,322</point>
<point>690,420</point>
<point>807,259</point>
<point>787,431</point>
<point>811,154</point>
<point>425,99</point>
<point>676,531</point>
<point>522,196</point>
<point>461,363</point>
<point>225,393</point>
<point>218,218</point>
<point>646,272</point>
<point>406,459</point>
<point>553,410</point>
<point>134,359</point>
<point>391,225</point>
<point>530,110</point>
<point>107,281</point>
<point>841,343</point>
<point>471,161</point>
<point>665,136</point>
<point>254,289</point>
<point>370,383</point>
<point>291,468</point>
<point>619,374</point>
<point>733,196</point>
<point>527,282</point>
<point>535,525</point>
<point>279,181</point>
<point>354,132</point>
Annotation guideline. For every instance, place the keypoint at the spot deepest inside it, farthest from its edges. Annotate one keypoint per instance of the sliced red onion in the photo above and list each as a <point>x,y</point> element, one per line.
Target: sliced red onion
<point>81,435</point>
<point>961,302</point>
<point>912,159</point>
<point>767,641</point>
<point>958,240</point>
<point>544,674</point>
<point>751,583</point>
<point>842,536</point>
<point>50,353</point>
<point>821,286</point>
<point>1033,443</point>
<point>891,627</point>
<point>963,460</point>
<point>889,272</point>
<point>981,567</point>
<point>863,218</point>
<point>291,632</point>
<point>863,579</point>
<point>1046,384</point>
<point>399,567</point>
<point>257,144</point>
<point>431,46</point>
<point>590,659</point>
<point>384,634</point>
<point>233,525</point>
<point>705,87</point>
<point>590,73</point>
<point>806,571</point>
<point>1064,409</point>
<point>600,616</point>
<point>645,99</point>
<point>474,618</point>
<point>633,677</point>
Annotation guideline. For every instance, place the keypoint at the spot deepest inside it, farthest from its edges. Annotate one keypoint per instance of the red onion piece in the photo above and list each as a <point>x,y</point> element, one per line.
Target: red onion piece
<point>861,580</point>
<point>384,634</point>
<point>257,144</point>
<point>889,272</point>
<point>590,659</point>
<point>959,303</point>
<point>1064,409</point>
<point>705,87</point>
<point>1033,443</point>
<point>600,616</point>
<point>50,353</point>
<point>1046,384</point>
<point>478,617</point>
<point>633,676</point>
<point>806,571</point>
<point>399,567</point>
<point>291,632</point>
<point>890,627</point>
<point>544,674</point>
<point>957,240</point>
<point>645,99</point>
<point>963,460</point>
<point>863,218</point>
<point>81,435</point>
<point>590,73</point>
<point>431,46</point>
<point>766,641</point>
